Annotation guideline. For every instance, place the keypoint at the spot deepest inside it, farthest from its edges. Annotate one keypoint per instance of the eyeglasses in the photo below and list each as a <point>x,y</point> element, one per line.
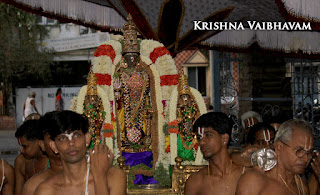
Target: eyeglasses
<point>301,152</point>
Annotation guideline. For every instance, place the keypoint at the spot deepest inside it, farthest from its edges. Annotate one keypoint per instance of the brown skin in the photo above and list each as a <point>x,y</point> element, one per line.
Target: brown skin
<point>8,183</point>
<point>314,184</point>
<point>103,178</point>
<point>55,166</point>
<point>223,177</point>
<point>30,162</point>
<point>244,157</point>
<point>260,141</point>
<point>256,181</point>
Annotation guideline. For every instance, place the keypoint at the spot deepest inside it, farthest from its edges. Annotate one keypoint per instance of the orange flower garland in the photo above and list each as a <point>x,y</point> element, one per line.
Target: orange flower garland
<point>107,130</point>
<point>173,127</point>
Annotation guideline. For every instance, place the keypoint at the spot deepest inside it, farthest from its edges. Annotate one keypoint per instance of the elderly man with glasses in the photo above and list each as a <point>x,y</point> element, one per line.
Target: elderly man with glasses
<point>294,149</point>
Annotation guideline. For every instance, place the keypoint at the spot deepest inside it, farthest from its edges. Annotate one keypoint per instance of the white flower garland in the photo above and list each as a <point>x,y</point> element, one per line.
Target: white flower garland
<point>165,65</point>
<point>173,116</point>
<point>73,105</point>
<point>161,136</point>
<point>147,46</point>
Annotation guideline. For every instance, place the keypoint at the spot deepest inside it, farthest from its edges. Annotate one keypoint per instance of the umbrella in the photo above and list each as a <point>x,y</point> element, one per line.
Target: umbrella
<point>172,22</point>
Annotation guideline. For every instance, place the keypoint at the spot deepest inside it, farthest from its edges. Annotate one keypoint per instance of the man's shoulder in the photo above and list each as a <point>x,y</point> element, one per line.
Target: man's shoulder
<point>115,172</point>
<point>20,162</point>
<point>48,185</point>
<point>253,180</point>
<point>35,180</point>
<point>253,173</point>
<point>20,159</point>
<point>44,188</point>
<point>198,176</point>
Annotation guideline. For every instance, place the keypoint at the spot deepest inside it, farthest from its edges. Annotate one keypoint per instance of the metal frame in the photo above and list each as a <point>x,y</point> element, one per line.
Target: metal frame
<point>305,89</point>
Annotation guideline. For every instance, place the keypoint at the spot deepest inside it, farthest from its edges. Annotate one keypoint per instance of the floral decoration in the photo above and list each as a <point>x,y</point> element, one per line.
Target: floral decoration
<point>103,79</point>
<point>158,52</point>
<point>105,50</point>
<point>169,79</point>
<point>107,130</point>
<point>173,127</point>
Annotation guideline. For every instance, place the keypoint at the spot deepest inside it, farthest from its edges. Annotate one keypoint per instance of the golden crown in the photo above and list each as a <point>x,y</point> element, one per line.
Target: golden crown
<point>130,38</point>
<point>92,84</point>
<point>183,84</point>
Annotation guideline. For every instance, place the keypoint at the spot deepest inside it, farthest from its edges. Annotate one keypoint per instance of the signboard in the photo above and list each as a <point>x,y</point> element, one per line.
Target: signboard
<point>75,43</point>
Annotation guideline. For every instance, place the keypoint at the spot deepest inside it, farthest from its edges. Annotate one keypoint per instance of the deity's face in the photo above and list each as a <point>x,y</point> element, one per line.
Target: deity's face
<point>287,152</point>
<point>71,146</point>
<point>264,138</point>
<point>211,142</point>
<point>29,149</point>
<point>184,100</point>
<point>131,59</point>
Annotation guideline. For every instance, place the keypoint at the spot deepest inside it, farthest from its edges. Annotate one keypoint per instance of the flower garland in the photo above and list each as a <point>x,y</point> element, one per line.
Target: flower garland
<point>147,46</point>
<point>104,64</point>
<point>73,105</point>
<point>161,137</point>
<point>172,117</point>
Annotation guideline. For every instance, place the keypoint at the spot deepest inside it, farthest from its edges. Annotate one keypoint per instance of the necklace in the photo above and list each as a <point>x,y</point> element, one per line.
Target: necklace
<point>228,176</point>
<point>298,187</point>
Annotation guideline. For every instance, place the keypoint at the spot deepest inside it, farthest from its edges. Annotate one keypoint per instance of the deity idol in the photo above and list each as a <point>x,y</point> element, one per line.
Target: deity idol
<point>134,96</point>
<point>93,110</point>
<point>189,107</point>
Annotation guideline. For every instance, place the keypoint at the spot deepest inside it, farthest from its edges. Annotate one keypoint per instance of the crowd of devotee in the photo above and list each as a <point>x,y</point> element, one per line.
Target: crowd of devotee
<point>274,159</point>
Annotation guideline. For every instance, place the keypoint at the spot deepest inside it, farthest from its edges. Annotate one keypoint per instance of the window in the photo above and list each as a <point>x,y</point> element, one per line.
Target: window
<point>45,21</point>
<point>197,79</point>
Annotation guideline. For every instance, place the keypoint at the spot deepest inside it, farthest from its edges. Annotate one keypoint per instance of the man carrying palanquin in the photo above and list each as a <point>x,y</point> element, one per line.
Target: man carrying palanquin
<point>80,175</point>
<point>54,159</point>
<point>31,160</point>
<point>293,146</point>
<point>221,175</point>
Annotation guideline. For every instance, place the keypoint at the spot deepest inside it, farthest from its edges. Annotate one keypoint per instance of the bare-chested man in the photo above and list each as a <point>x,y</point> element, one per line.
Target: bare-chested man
<point>54,159</point>
<point>261,135</point>
<point>6,178</point>
<point>221,175</point>
<point>70,138</point>
<point>31,160</point>
<point>294,146</point>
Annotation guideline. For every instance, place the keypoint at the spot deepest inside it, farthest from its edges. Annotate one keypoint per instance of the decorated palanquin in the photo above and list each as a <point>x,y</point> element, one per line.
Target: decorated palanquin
<point>147,107</point>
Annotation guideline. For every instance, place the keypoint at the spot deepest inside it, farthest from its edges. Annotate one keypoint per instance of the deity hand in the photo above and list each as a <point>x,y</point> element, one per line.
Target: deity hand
<point>315,163</point>
<point>101,159</point>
